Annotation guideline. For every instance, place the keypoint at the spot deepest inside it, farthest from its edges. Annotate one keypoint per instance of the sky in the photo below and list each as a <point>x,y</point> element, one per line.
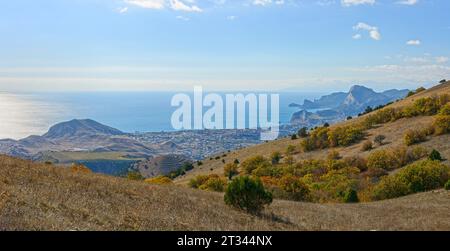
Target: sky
<point>271,45</point>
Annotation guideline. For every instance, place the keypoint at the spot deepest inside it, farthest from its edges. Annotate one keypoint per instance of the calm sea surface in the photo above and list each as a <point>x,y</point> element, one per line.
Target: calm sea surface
<point>22,115</point>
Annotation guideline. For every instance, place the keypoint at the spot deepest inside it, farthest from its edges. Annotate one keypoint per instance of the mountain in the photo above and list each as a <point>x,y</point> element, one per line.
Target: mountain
<point>327,101</point>
<point>338,106</point>
<point>356,93</point>
<point>75,136</point>
<point>80,128</point>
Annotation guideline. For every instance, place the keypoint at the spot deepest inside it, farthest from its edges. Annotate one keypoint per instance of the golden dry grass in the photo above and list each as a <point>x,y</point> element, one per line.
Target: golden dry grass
<point>46,197</point>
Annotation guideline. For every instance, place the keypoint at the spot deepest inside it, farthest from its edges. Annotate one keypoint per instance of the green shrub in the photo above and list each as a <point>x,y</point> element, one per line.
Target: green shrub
<point>417,153</point>
<point>214,183</point>
<point>383,159</point>
<point>447,185</point>
<point>435,155</point>
<point>445,110</point>
<point>442,124</point>
<point>253,163</point>
<point>295,188</point>
<point>345,135</point>
<point>210,182</point>
<point>247,194</point>
<point>294,136</point>
<point>351,196</point>
<point>418,177</point>
<point>356,161</point>
<point>412,137</point>
<point>197,181</point>
<point>318,139</point>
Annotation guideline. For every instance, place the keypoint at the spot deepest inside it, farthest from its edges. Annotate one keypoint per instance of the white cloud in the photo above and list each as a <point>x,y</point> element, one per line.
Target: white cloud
<point>357,36</point>
<point>122,10</point>
<point>267,2</point>
<point>231,18</point>
<point>183,18</point>
<point>148,4</point>
<point>178,5</point>
<point>348,3</point>
<point>374,33</point>
<point>408,2</point>
<point>413,42</point>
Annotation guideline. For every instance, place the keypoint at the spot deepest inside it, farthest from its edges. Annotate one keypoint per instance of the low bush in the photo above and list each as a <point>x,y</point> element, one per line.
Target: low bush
<point>367,146</point>
<point>383,159</point>
<point>210,182</point>
<point>333,155</point>
<point>442,124</point>
<point>253,163</point>
<point>418,177</point>
<point>351,196</point>
<point>435,155</point>
<point>275,158</point>
<point>412,137</point>
<point>294,188</point>
<point>247,194</point>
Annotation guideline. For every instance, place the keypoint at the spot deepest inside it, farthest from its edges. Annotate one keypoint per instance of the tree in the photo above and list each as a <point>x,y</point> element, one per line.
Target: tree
<point>294,136</point>
<point>247,194</point>
<point>435,155</point>
<point>349,118</point>
<point>326,124</point>
<point>379,139</point>
<point>236,161</point>
<point>369,109</point>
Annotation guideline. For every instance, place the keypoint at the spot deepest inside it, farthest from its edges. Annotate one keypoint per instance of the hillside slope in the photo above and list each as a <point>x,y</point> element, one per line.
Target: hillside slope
<point>46,197</point>
<point>393,131</point>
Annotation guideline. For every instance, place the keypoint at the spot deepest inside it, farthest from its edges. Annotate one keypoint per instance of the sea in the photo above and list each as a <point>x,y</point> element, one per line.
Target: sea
<point>25,114</point>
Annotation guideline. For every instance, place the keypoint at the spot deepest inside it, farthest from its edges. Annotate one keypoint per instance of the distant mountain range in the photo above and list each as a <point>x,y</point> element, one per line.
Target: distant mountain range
<point>337,106</point>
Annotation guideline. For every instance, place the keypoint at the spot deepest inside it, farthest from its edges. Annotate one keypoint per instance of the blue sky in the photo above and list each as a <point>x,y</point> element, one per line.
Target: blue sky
<point>316,45</point>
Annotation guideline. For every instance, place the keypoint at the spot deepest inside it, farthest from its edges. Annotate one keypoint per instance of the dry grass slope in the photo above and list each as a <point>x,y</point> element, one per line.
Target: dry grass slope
<point>46,197</point>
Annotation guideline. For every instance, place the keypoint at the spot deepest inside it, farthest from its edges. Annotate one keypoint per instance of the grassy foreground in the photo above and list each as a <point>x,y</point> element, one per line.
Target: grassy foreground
<point>45,197</point>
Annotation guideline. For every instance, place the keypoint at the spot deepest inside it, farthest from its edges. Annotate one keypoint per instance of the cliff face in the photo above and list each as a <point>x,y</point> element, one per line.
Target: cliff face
<point>338,106</point>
